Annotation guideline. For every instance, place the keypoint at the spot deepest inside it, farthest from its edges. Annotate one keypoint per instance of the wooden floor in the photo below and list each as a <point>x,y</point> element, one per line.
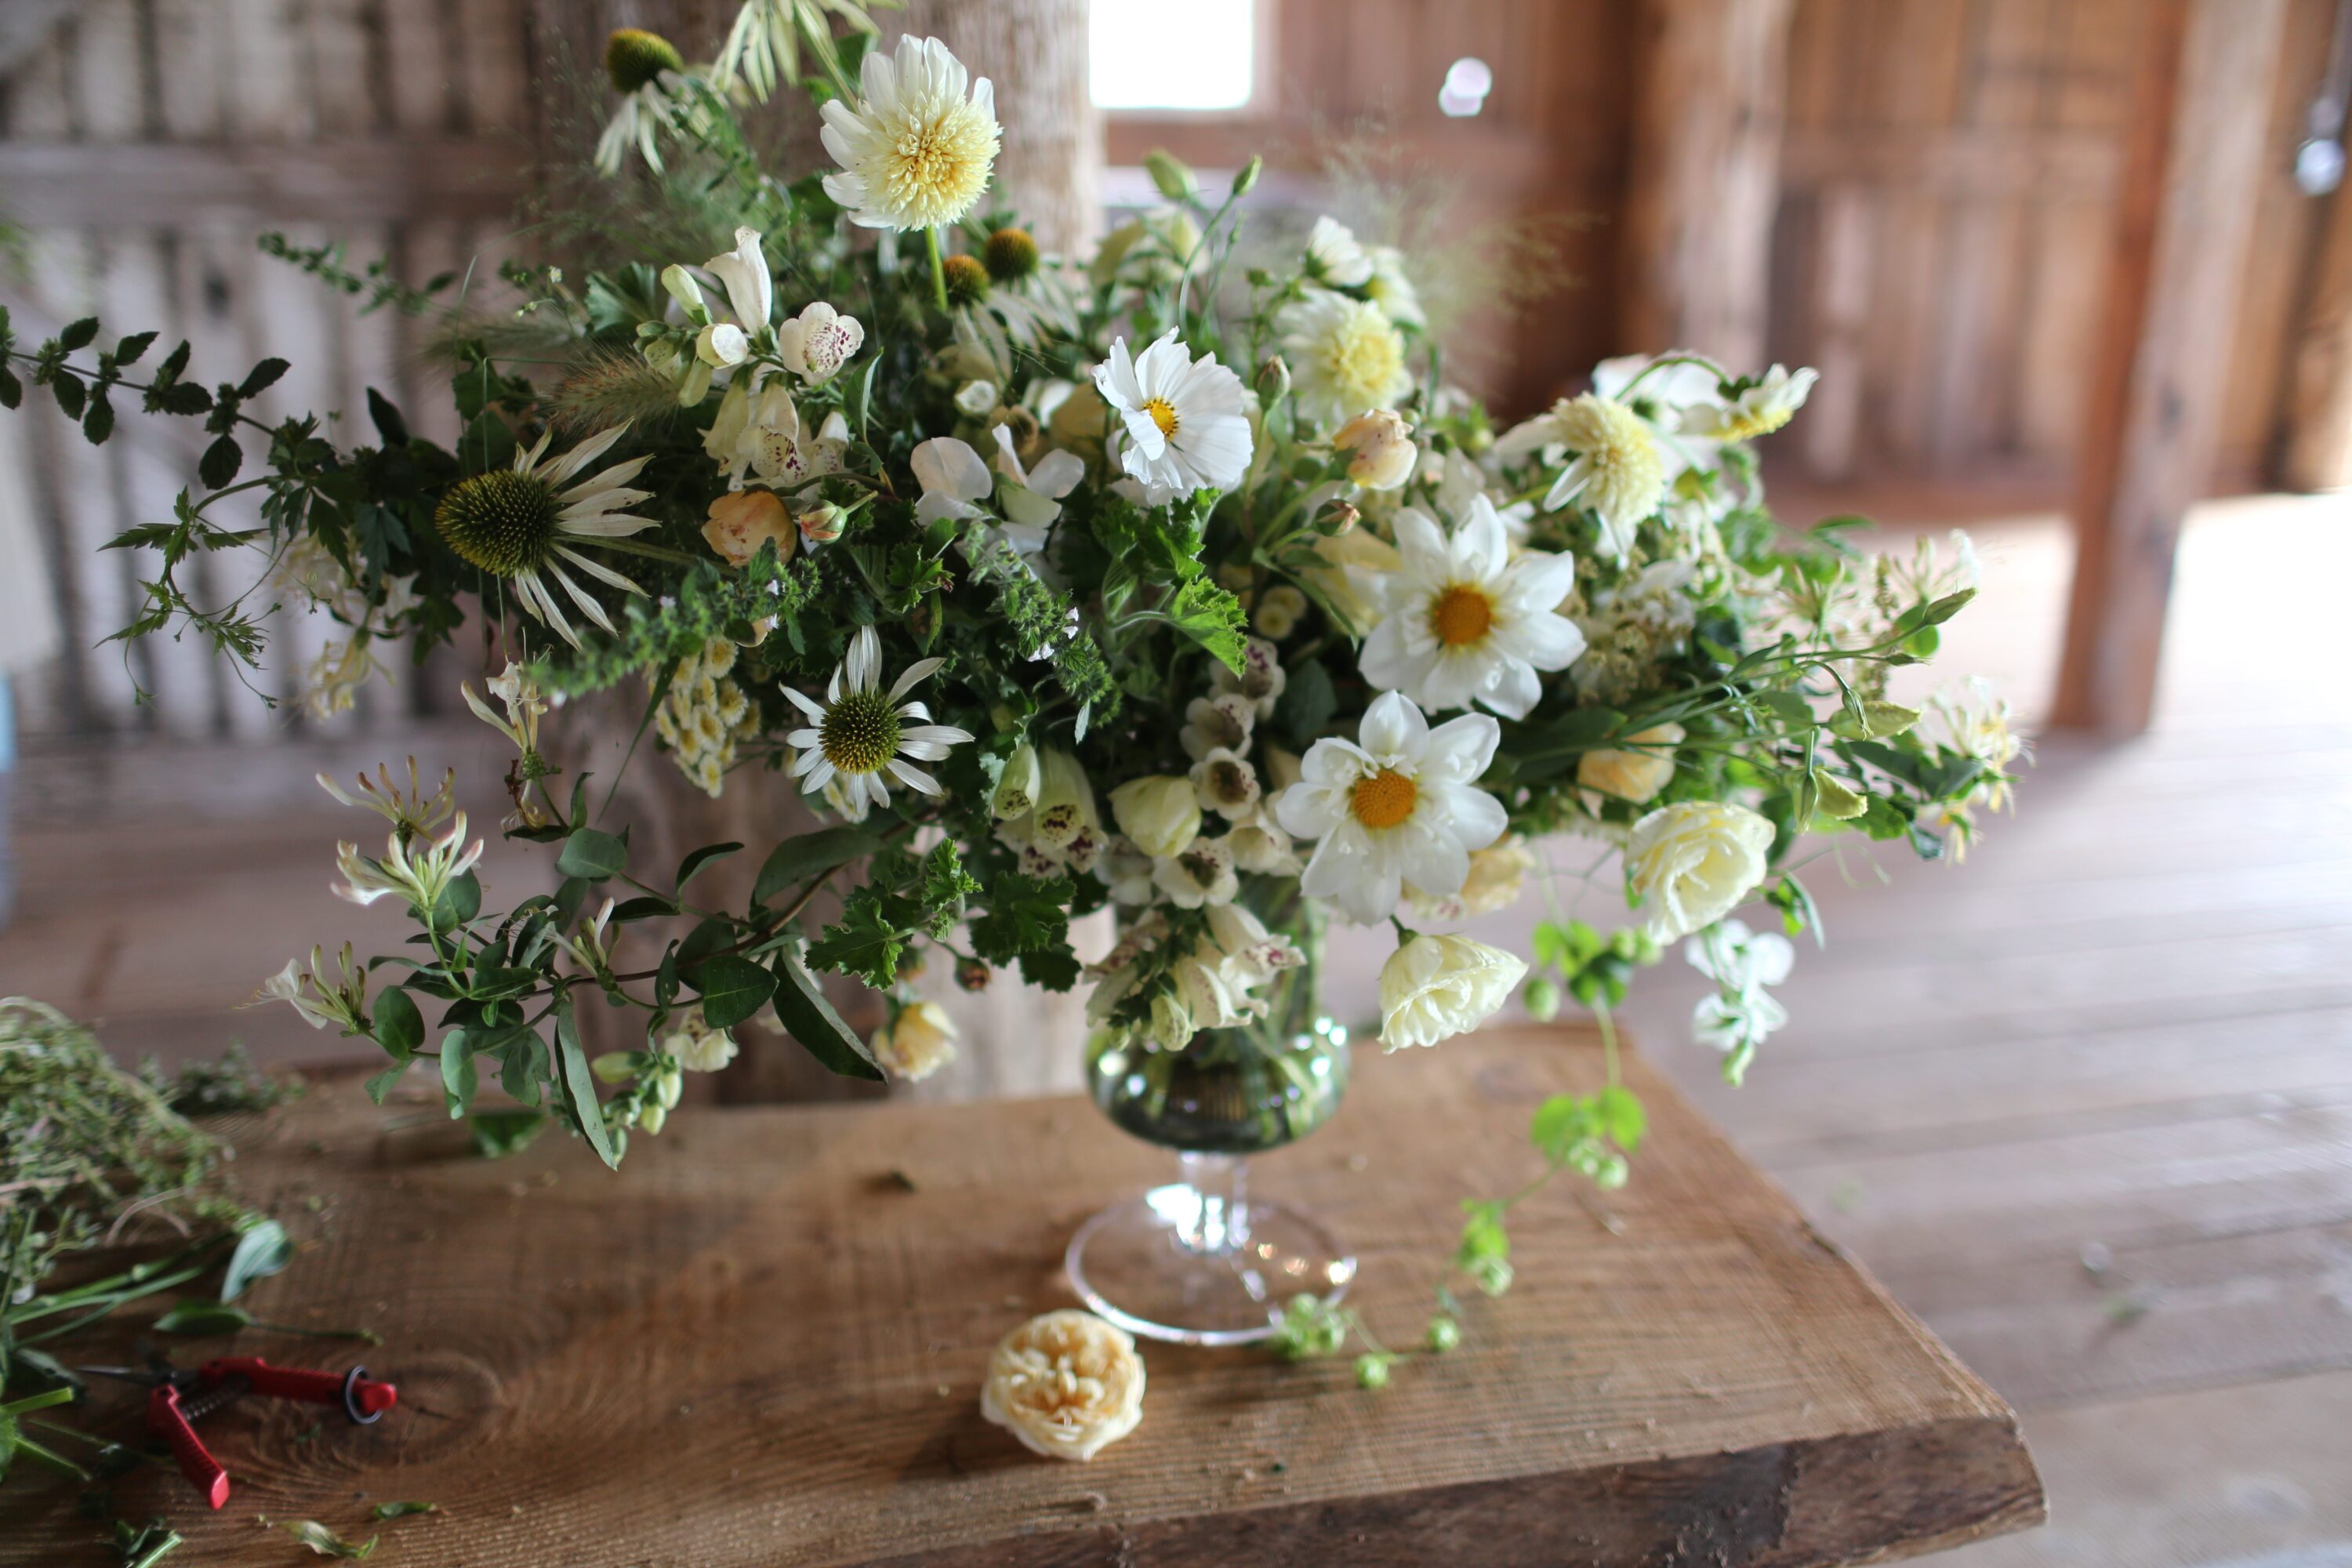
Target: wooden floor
<point>2084,1103</point>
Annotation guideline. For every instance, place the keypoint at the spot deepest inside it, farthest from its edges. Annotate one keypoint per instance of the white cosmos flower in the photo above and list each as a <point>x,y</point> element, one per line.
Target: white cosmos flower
<point>1466,622</point>
<point>818,342</point>
<point>953,477</point>
<point>524,523</point>
<point>1400,805</point>
<point>1345,356</point>
<point>1183,421</point>
<point>1334,255</point>
<point>859,732</point>
<point>915,151</point>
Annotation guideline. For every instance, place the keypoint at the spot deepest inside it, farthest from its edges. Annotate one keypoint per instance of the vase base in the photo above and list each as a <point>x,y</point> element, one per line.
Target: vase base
<point>1132,1265</point>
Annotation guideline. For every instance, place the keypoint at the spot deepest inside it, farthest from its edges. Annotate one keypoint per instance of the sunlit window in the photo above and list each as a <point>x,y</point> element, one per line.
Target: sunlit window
<point>1147,54</point>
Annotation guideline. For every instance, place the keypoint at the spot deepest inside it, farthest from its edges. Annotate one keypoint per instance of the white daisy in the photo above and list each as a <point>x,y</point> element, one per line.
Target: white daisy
<point>1334,255</point>
<point>514,523</point>
<point>1183,426</point>
<point>1399,805</point>
<point>1345,356</point>
<point>859,732</point>
<point>915,151</point>
<point>1466,622</point>
<point>1615,463</point>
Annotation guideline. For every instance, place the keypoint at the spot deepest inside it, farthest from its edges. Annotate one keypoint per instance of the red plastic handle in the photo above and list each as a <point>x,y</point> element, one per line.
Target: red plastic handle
<point>370,1398</point>
<point>166,1420</point>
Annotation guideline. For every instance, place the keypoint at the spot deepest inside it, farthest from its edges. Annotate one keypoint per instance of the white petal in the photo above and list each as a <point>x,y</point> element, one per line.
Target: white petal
<point>914,777</point>
<point>922,669</point>
<point>1394,727</point>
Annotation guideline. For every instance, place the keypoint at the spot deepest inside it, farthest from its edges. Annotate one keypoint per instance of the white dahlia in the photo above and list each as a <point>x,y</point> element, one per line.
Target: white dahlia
<point>1345,356</point>
<point>915,151</point>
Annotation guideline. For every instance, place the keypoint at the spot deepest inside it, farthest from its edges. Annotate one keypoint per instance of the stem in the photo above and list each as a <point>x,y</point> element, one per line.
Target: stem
<point>1218,1221</point>
<point>938,269</point>
<point>1608,1039</point>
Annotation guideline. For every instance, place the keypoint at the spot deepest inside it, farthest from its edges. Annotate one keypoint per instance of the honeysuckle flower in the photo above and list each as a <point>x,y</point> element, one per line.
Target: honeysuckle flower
<point>1261,679</point>
<point>1181,419</point>
<point>648,73</point>
<point>1157,812</point>
<point>1335,257</point>
<point>859,732</point>
<point>1633,774</point>
<point>1226,784</point>
<point>1467,621</point>
<point>410,811</point>
<point>323,996</point>
<point>1391,289</point>
<point>587,944</point>
<point>1067,1385</point>
<point>1498,874</point>
<point>917,1043</point>
<point>1200,873</point>
<point>1690,864</point>
<point>953,478</point>
<point>524,525</point>
<point>916,150</point>
<point>695,1046</point>
<point>1976,722</point>
<point>332,681</point>
<point>1758,407</point>
<point>1399,804</point>
<point>1032,497</point>
<point>1345,356</point>
<point>1381,444</point>
<point>818,342</point>
<point>524,703</point>
<point>1435,987</point>
<point>419,869</point>
<point>1614,463</point>
<point>740,521</point>
<point>1224,721</point>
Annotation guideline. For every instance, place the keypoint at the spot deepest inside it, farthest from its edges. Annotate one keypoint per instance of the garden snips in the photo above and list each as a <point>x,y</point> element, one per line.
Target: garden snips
<point>181,1398</point>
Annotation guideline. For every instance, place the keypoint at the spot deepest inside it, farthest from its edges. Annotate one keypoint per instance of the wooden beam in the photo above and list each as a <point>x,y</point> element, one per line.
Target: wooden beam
<point>2316,452</point>
<point>1704,184</point>
<point>163,184</point>
<point>2200,122</point>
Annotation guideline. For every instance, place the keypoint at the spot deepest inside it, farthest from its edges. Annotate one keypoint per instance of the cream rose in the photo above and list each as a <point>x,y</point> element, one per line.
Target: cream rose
<point>916,1044</point>
<point>1434,987</point>
<point>1068,1385</point>
<point>1690,864</point>
<point>741,520</point>
<point>1159,813</point>
<point>1636,776</point>
<point>1381,442</point>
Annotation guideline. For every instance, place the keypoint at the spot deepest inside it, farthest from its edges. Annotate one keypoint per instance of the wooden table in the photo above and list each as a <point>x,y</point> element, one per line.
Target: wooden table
<point>762,1343</point>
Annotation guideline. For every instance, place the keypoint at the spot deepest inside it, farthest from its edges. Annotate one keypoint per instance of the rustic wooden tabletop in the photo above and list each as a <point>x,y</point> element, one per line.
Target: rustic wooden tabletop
<point>761,1343</point>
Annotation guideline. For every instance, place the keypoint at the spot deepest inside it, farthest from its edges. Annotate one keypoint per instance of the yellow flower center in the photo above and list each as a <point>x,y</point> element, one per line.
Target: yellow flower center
<point>1363,356</point>
<point>937,163</point>
<point>1746,424</point>
<point>1163,414</point>
<point>1461,615</point>
<point>1382,799</point>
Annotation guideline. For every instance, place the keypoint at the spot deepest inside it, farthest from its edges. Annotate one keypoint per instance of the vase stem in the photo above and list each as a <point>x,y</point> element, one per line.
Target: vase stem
<point>1214,1191</point>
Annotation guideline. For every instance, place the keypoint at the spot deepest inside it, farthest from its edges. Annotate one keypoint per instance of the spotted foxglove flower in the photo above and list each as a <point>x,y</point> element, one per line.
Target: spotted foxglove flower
<point>917,148</point>
<point>1182,425</point>
<point>525,523</point>
<point>1345,356</point>
<point>758,434</point>
<point>859,732</point>
<point>1400,804</point>
<point>818,342</point>
<point>1467,621</point>
<point>1200,873</point>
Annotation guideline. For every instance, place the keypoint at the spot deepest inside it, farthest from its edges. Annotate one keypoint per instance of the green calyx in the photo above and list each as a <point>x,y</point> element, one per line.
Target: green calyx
<point>967,280</point>
<point>634,58</point>
<point>502,521</point>
<point>1010,254</point>
<point>860,732</point>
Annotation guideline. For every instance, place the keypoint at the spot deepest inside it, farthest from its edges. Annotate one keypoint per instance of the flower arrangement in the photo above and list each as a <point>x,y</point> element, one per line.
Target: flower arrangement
<point>1178,581</point>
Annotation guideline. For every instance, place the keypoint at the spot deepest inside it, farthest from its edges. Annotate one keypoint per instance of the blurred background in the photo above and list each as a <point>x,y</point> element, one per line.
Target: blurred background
<point>2077,276</point>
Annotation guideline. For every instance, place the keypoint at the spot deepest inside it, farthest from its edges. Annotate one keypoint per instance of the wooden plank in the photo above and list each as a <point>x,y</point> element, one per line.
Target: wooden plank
<point>2052,166</point>
<point>1700,1381</point>
<point>2180,251</point>
<point>2317,448</point>
<point>1702,186</point>
<point>53,184</point>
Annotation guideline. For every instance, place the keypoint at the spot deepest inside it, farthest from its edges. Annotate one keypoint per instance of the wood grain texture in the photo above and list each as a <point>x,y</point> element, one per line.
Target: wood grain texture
<point>755,1346</point>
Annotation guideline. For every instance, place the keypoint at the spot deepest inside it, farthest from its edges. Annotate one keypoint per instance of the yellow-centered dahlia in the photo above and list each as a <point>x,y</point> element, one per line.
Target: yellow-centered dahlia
<point>1345,356</point>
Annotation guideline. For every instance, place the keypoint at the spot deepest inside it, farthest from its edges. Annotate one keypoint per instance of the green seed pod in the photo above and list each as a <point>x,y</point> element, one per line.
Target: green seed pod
<point>1246,179</point>
<point>1173,178</point>
<point>1443,1334</point>
<point>1010,254</point>
<point>967,280</point>
<point>1541,995</point>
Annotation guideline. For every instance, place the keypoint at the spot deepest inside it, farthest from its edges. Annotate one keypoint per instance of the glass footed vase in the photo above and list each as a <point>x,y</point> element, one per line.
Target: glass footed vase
<point>1201,1260</point>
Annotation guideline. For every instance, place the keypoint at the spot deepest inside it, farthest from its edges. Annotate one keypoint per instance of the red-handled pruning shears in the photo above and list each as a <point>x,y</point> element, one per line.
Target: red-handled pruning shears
<point>180,1399</point>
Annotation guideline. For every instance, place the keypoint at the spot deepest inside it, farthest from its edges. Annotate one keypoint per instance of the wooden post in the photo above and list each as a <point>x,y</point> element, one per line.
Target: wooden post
<point>1705,177</point>
<point>2200,120</point>
<point>2317,454</point>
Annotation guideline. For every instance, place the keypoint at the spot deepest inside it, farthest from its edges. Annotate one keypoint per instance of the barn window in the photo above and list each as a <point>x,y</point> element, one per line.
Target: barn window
<point>1148,55</point>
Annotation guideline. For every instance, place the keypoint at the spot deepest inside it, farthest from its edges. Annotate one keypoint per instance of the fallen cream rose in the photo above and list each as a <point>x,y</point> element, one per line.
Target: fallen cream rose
<point>1067,1385</point>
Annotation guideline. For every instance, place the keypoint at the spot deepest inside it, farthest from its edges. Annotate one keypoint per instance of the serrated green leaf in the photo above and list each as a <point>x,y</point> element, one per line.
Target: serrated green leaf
<point>1212,616</point>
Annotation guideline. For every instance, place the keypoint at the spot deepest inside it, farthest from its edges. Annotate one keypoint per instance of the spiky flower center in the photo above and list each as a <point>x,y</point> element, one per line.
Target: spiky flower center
<point>1382,799</point>
<point>1163,414</point>
<point>503,521</point>
<point>1011,253</point>
<point>967,279</point>
<point>634,58</point>
<point>1461,615</point>
<point>935,161</point>
<point>860,732</point>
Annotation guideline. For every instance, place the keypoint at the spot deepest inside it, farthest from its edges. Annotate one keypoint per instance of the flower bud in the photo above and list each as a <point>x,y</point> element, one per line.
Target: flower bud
<point>1372,1370</point>
<point>1274,380</point>
<point>966,278</point>
<point>696,384</point>
<point>722,344</point>
<point>1382,443</point>
<point>822,523</point>
<point>685,291</point>
<point>1158,811</point>
<point>1541,997</point>
<point>1010,254</point>
<point>1173,178</point>
<point>1443,1334</point>
<point>652,1118</point>
<point>669,1088</point>
<point>973,975</point>
<point>1246,179</point>
<point>615,1066</point>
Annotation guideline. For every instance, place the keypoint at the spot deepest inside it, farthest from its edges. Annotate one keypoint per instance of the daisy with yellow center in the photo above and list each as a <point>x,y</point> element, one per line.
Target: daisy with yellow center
<point>1465,621</point>
<point>916,149</point>
<point>1345,356</point>
<point>523,524</point>
<point>1182,425</point>
<point>1398,804</point>
<point>1758,408</point>
<point>859,732</point>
